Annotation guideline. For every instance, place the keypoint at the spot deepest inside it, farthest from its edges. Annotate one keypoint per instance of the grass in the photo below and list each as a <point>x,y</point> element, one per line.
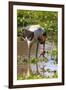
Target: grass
<point>34,76</point>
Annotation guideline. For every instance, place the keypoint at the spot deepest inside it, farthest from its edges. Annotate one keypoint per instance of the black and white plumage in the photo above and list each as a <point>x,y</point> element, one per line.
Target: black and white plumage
<point>32,34</point>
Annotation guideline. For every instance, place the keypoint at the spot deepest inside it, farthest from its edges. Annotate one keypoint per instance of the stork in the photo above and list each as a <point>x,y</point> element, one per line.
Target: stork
<point>32,34</point>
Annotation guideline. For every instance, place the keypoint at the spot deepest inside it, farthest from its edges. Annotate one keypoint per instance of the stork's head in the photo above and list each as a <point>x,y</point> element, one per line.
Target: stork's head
<point>42,38</point>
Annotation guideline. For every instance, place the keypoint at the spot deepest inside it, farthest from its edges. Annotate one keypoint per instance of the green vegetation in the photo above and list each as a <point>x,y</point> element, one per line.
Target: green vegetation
<point>34,76</point>
<point>49,21</point>
<point>55,74</point>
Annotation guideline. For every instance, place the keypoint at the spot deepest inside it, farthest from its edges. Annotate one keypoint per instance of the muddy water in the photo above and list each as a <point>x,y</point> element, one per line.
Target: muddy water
<point>22,52</point>
<point>22,49</point>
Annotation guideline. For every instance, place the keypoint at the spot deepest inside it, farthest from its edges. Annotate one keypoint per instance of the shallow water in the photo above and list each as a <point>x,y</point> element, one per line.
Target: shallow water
<point>50,67</point>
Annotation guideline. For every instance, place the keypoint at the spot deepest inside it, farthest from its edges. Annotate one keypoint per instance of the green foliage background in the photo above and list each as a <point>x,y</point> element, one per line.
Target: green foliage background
<point>47,19</point>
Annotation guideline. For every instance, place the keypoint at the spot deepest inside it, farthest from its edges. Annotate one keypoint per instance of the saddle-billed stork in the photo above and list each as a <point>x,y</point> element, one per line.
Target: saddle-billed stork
<point>32,34</point>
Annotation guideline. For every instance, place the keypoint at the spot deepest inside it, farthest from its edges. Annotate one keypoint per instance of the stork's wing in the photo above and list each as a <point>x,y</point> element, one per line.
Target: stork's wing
<point>32,28</point>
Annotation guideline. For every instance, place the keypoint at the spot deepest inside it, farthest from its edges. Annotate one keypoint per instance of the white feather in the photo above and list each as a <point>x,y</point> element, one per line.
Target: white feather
<point>33,27</point>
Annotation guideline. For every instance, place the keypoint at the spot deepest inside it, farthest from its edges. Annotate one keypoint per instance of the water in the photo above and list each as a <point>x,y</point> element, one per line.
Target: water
<point>46,68</point>
<point>49,68</point>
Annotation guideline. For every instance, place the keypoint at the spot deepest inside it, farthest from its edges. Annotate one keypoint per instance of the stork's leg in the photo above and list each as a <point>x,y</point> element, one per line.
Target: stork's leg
<point>43,56</point>
<point>43,48</point>
<point>29,50</point>
<point>37,57</point>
